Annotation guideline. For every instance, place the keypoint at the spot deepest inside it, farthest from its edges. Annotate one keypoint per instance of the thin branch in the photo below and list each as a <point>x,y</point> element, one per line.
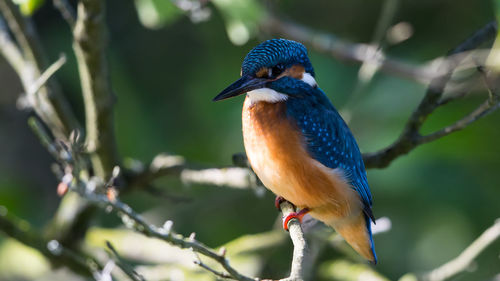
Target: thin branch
<point>300,250</point>
<point>66,11</point>
<point>362,53</point>
<point>51,249</point>
<point>134,221</point>
<point>410,137</point>
<point>217,273</point>
<point>73,214</point>
<point>48,103</point>
<point>172,165</point>
<point>46,75</point>
<point>344,50</point>
<point>484,109</point>
<point>463,261</point>
<point>123,265</point>
<point>24,32</point>
<point>89,46</point>
<point>29,61</point>
<point>370,67</point>
<point>9,49</point>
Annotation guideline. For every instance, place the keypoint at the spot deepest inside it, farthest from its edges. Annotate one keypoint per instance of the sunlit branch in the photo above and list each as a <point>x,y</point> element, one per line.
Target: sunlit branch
<point>29,61</point>
<point>133,220</point>
<point>9,49</point>
<point>464,260</point>
<point>346,51</point>
<point>300,249</point>
<point>123,265</point>
<point>58,255</point>
<point>66,11</point>
<point>89,45</point>
<point>411,137</point>
<point>176,166</point>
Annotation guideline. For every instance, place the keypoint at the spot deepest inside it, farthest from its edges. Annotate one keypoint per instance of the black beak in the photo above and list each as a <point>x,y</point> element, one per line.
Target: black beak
<point>244,84</point>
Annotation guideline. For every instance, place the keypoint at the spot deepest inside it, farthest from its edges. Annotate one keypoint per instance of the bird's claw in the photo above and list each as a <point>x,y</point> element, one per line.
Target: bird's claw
<point>295,215</point>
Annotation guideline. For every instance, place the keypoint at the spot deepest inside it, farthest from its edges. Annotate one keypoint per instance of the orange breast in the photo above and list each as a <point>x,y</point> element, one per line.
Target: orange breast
<point>278,155</point>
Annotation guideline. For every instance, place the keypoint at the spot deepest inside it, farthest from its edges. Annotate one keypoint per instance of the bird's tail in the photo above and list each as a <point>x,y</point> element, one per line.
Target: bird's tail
<point>358,233</point>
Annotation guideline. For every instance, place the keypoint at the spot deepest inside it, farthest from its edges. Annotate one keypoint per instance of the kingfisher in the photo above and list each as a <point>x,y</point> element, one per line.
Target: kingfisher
<point>298,144</point>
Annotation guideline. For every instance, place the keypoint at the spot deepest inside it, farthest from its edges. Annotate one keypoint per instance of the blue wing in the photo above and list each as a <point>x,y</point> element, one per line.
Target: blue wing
<point>330,141</point>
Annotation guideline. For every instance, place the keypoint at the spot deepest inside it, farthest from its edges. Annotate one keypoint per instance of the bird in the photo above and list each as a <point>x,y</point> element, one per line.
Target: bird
<point>298,144</point>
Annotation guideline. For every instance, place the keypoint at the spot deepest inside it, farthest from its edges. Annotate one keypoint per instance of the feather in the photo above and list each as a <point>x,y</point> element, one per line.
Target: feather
<point>330,142</point>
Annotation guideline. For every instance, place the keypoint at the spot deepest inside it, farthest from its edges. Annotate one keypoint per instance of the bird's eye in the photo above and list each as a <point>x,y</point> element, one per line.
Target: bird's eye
<point>276,70</point>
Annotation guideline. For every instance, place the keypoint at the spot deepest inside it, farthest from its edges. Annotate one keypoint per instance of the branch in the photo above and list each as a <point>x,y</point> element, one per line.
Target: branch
<point>9,49</point>
<point>45,76</point>
<point>172,165</point>
<point>66,11</point>
<point>134,221</point>
<point>364,53</point>
<point>123,265</point>
<point>346,51</point>
<point>29,61</point>
<point>73,216</point>
<point>482,110</point>
<point>57,254</point>
<point>463,261</point>
<point>300,250</point>
<point>410,137</point>
<point>89,46</point>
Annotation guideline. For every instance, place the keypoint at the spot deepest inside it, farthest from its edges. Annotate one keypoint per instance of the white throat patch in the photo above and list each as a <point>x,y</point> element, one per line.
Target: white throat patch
<point>267,95</point>
<point>309,79</point>
<point>272,96</point>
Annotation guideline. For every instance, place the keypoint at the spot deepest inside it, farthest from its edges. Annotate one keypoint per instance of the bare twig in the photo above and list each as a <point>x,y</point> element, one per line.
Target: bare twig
<point>24,33</point>
<point>370,67</point>
<point>72,218</point>
<point>9,49</point>
<point>172,165</point>
<point>134,221</point>
<point>460,263</point>
<point>49,103</point>
<point>51,70</point>
<point>203,265</point>
<point>346,51</point>
<point>89,46</point>
<point>410,137</point>
<point>300,250</point>
<point>484,109</point>
<point>124,266</point>
<point>53,250</point>
<point>66,11</point>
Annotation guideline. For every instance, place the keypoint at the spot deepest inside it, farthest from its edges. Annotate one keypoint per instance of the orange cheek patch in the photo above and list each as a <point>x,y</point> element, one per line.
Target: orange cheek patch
<point>262,72</point>
<point>295,71</point>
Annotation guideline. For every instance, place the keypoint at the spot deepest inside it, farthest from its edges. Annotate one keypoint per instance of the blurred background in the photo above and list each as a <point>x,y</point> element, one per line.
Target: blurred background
<point>169,59</point>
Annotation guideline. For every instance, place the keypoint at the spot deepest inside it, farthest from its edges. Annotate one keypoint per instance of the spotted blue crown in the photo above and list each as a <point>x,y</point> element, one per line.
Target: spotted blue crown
<point>274,52</point>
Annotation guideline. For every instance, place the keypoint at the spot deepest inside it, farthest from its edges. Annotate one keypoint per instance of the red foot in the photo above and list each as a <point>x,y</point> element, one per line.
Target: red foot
<point>295,215</point>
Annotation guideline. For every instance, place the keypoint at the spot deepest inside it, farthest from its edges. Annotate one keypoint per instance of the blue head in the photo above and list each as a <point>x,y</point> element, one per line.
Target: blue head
<point>277,64</point>
<point>276,53</point>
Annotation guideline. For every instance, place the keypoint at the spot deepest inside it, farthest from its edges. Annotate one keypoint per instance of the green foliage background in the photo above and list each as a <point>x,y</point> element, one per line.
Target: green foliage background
<point>439,197</point>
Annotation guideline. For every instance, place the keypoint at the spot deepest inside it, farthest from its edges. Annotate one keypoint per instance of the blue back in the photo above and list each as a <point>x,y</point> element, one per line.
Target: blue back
<point>329,140</point>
